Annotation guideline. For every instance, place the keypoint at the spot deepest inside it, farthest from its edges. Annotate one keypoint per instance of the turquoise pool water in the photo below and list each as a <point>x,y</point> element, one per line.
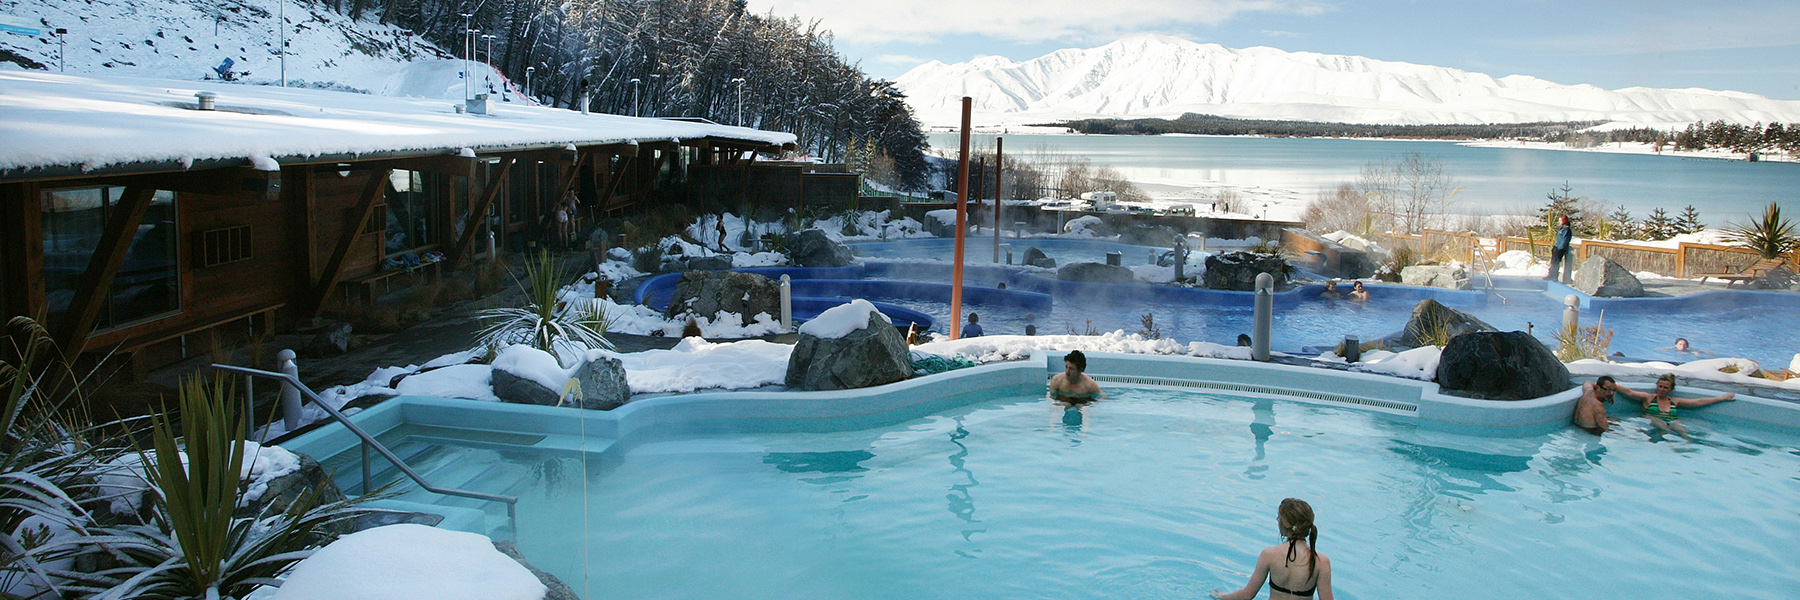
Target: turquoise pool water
<point>1148,494</point>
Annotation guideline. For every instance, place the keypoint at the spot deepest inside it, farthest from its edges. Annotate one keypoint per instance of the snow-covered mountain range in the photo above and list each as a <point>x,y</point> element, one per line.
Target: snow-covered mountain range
<point>1159,76</point>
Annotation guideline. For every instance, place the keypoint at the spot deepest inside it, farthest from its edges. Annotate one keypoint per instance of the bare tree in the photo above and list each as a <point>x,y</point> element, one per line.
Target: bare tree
<point>1342,209</point>
<point>1410,193</point>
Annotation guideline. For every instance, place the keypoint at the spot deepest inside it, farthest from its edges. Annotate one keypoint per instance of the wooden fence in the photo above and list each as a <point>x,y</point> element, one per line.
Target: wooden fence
<point>1684,260</point>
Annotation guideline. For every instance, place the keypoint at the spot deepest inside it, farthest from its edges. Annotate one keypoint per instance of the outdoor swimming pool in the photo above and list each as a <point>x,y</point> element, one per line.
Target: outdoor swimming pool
<point>1151,493</point>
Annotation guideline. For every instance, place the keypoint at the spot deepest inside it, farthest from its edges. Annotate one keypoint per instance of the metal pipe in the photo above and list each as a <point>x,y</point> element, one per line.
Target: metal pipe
<point>1265,312</point>
<point>962,221</point>
<point>787,304</point>
<point>369,441</point>
<point>999,156</point>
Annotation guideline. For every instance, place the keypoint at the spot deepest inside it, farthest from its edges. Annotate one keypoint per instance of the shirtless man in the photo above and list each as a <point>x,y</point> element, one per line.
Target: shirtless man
<point>1071,385</point>
<point>1590,410</point>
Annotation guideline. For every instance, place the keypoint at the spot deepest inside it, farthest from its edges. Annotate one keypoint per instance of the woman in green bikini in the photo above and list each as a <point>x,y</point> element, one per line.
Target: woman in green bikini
<point>1660,406</point>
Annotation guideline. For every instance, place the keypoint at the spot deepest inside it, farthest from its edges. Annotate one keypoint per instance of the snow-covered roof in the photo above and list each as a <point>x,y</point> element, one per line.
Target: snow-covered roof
<point>55,122</point>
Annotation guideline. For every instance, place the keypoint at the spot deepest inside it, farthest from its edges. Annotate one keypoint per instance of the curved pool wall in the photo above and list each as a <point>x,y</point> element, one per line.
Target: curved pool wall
<point>980,250</point>
<point>1418,402</point>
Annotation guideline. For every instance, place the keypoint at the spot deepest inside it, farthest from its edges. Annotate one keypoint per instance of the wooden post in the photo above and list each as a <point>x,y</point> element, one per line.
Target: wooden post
<point>479,210</point>
<point>96,282</point>
<point>962,225</point>
<point>334,269</point>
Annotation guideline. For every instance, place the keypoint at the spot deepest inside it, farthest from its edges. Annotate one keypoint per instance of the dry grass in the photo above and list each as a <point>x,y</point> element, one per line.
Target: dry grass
<point>1584,342</point>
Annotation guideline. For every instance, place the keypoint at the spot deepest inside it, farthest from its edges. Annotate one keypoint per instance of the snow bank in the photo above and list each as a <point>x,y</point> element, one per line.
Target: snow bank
<point>838,321</point>
<point>472,382</point>
<point>996,348</point>
<point>1794,366</point>
<point>123,483</point>
<point>945,217</point>
<point>410,562</point>
<point>1353,241</point>
<point>1417,363</point>
<point>1707,370</point>
<point>696,364</point>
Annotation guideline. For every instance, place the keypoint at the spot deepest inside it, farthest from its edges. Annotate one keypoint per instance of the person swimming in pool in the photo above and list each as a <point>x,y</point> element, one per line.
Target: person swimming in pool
<point>1294,568</point>
<point>1072,385</point>
<point>1590,410</point>
<point>1661,406</point>
<point>1331,291</point>
<point>1358,292</point>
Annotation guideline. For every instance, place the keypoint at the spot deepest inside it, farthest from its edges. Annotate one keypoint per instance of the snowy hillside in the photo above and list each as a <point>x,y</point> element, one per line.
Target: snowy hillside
<point>1157,76</point>
<point>175,39</point>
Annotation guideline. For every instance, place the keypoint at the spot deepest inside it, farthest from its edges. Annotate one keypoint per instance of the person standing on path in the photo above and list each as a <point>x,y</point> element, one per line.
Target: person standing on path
<point>1559,253</point>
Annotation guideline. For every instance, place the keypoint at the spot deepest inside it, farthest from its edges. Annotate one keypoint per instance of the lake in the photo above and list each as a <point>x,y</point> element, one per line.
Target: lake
<point>1286,173</point>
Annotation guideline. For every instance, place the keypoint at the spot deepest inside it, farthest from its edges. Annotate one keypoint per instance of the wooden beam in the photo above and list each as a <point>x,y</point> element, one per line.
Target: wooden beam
<point>570,179</point>
<point>444,164</point>
<point>21,252</point>
<point>473,222</point>
<point>334,268</point>
<point>96,282</point>
<point>612,180</point>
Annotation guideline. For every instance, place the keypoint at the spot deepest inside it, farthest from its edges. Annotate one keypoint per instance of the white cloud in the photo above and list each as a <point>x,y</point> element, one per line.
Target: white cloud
<point>880,21</point>
<point>1662,32</point>
<point>900,59</point>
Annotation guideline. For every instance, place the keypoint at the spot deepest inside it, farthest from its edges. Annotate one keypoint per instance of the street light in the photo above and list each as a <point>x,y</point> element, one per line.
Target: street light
<point>634,96</point>
<point>528,71</point>
<point>281,39</point>
<point>740,108</point>
<point>62,48</point>
<point>490,48</point>
<point>465,63</point>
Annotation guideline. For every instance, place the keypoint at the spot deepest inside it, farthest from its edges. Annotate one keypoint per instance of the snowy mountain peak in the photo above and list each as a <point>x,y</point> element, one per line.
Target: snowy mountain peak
<point>1162,76</point>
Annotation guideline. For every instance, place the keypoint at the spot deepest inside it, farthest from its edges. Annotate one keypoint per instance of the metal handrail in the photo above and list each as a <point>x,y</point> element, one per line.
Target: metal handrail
<point>369,441</point>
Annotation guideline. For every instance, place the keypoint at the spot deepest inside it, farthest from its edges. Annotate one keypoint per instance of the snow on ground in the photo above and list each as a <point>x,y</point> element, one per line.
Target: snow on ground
<point>1417,363</point>
<point>1519,263</point>
<point>1707,370</point>
<point>944,216</point>
<point>696,364</point>
<point>996,348</point>
<point>839,321</point>
<point>123,479</point>
<point>1629,148</point>
<point>474,382</point>
<point>1084,226</point>
<point>533,364</point>
<point>1354,242</point>
<point>410,562</point>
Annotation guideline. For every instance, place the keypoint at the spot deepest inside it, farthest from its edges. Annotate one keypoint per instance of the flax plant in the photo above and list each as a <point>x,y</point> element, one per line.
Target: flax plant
<point>546,322</point>
<point>1769,237</point>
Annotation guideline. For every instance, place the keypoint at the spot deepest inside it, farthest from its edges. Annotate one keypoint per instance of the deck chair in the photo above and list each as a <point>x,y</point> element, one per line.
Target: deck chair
<point>1755,271</point>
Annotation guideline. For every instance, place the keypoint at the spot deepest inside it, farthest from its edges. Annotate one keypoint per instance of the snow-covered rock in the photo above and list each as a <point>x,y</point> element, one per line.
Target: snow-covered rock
<point>848,346</point>
<point>410,562</point>
<point>1087,226</point>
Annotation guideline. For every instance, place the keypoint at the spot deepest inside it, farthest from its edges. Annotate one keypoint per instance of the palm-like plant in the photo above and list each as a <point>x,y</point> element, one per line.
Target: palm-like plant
<point>1769,237</point>
<point>546,322</point>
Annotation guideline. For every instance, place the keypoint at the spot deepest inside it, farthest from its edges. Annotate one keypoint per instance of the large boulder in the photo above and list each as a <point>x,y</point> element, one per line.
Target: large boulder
<point>1508,365</point>
<point>516,389</point>
<point>709,263</point>
<point>1437,276</point>
<point>526,375</point>
<point>1161,236</point>
<point>1600,277</point>
<point>603,385</point>
<point>812,248</point>
<point>1238,270</point>
<point>1095,273</point>
<point>832,355</point>
<point>308,481</point>
<point>705,293</point>
<point>554,588</point>
<point>1429,317</point>
<point>1036,258</point>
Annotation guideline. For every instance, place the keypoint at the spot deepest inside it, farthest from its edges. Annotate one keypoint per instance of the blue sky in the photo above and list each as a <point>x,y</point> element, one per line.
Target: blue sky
<point>1748,46</point>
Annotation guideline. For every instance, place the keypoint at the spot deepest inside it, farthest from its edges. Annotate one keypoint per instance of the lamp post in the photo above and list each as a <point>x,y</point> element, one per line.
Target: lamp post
<point>740,107</point>
<point>634,96</point>
<point>528,71</point>
<point>655,84</point>
<point>490,47</point>
<point>465,64</point>
<point>281,38</point>
<point>62,48</point>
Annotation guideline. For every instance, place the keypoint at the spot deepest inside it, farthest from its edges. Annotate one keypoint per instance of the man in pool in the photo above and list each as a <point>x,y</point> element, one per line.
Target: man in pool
<point>1330,292</point>
<point>1590,410</point>
<point>1071,385</point>
<point>1358,292</point>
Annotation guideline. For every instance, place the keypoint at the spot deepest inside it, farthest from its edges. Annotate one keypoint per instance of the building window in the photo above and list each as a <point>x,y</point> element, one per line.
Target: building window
<point>148,283</point>
<point>224,246</point>
<point>409,212</point>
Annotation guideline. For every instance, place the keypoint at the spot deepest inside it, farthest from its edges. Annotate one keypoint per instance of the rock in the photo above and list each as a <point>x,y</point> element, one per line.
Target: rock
<point>1600,277</point>
<point>1428,315</point>
<point>705,293</point>
<point>557,590</point>
<point>1437,276</point>
<point>708,263</point>
<point>1501,366</point>
<point>603,385</point>
<point>285,490</point>
<point>1238,270</point>
<point>1035,258</point>
<point>871,356</point>
<point>519,390</point>
<point>1095,273</point>
<point>812,248</point>
<point>372,518</point>
<point>331,339</point>
<point>1160,236</point>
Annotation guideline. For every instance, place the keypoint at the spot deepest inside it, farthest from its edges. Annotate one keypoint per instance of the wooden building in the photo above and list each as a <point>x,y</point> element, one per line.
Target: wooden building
<point>135,214</point>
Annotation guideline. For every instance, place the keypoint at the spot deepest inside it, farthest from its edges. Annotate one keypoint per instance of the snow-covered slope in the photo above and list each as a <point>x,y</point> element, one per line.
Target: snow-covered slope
<point>1158,76</point>
<point>177,39</point>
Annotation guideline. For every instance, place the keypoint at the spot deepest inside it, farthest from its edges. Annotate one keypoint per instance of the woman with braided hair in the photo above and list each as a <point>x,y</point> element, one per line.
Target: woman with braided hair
<point>1293,568</point>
